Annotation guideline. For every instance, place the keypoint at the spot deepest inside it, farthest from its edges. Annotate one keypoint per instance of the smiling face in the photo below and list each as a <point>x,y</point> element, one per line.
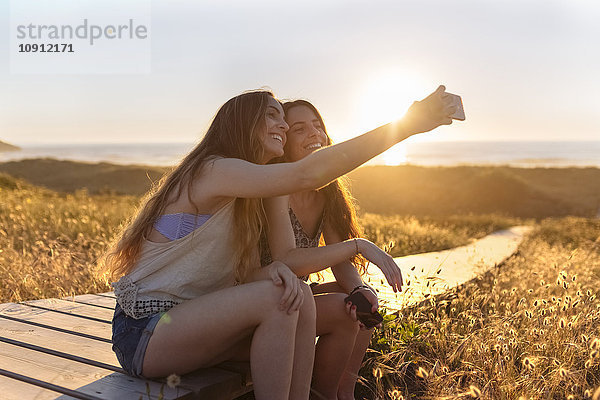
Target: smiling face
<point>306,133</point>
<point>274,136</point>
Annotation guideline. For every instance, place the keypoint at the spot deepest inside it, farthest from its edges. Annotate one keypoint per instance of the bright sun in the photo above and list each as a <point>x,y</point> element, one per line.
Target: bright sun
<point>384,97</point>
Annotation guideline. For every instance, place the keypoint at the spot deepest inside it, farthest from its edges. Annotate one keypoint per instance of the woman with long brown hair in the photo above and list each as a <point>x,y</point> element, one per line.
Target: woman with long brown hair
<point>327,216</point>
<point>192,293</point>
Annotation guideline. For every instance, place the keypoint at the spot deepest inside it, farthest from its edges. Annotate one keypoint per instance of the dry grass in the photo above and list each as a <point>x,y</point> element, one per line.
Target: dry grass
<point>49,242</point>
<point>528,328</point>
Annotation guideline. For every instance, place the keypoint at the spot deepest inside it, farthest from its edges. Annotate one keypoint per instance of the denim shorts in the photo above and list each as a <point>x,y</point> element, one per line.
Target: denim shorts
<point>130,339</point>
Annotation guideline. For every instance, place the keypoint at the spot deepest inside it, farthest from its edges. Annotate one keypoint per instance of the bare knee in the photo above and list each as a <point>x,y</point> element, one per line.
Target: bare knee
<point>308,308</point>
<point>333,317</point>
<point>271,298</point>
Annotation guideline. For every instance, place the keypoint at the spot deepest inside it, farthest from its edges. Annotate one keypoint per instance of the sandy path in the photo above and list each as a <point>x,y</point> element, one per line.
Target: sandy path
<point>456,266</point>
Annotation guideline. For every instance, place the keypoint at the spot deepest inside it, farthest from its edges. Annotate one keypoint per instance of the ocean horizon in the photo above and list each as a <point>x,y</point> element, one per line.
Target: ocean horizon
<point>511,153</point>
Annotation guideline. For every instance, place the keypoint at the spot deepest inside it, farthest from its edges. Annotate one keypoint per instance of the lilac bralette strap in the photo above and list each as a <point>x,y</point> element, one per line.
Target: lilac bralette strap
<point>176,226</point>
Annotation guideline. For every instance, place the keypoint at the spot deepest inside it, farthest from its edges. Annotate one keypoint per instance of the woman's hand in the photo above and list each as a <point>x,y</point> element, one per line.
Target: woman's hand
<point>369,295</point>
<point>384,261</point>
<point>293,296</point>
<point>429,113</point>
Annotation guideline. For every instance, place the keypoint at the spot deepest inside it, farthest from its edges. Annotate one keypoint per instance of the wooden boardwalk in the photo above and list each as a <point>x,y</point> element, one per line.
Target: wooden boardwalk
<point>61,348</point>
<point>436,272</point>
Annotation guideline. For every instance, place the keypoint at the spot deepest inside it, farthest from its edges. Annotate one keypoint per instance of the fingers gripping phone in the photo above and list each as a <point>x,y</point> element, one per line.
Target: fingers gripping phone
<point>363,310</point>
<point>459,114</point>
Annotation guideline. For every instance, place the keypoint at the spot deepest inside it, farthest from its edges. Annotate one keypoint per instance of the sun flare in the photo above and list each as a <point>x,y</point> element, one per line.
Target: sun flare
<point>384,97</point>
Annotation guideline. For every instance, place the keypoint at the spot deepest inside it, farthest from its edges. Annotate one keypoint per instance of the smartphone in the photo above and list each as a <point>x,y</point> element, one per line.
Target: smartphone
<point>363,310</point>
<point>459,114</point>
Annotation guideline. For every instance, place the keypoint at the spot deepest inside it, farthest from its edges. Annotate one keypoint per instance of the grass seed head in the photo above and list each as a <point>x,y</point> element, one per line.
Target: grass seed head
<point>474,392</point>
<point>422,373</point>
<point>528,363</point>
<point>173,381</point>
<point>584,338</point>
<point>562,323</point>
<point>563,373</point>
<point>377,373</point>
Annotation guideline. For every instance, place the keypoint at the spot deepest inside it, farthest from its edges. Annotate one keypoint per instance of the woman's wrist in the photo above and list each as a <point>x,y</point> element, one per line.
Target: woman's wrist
<point>360,287</point>
<point>402,130</point>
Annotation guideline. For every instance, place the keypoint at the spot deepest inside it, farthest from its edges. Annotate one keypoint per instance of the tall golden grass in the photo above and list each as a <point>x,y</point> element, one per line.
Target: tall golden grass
<point>528,329</point>
<point>49,242</point>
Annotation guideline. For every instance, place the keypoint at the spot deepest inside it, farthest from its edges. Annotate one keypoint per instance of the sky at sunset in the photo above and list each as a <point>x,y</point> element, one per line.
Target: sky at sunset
<point>527,70</point>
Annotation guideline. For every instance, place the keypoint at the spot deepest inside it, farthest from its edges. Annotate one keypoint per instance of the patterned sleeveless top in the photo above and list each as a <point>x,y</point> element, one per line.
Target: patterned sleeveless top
<point>302,239</point>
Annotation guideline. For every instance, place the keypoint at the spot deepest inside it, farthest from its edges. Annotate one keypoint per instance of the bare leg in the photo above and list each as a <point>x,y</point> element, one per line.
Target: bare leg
<point>201,332</point>
<point>337,333</point>
<point>304,351</point>
<point>363,339</point>
<point>350,376</point>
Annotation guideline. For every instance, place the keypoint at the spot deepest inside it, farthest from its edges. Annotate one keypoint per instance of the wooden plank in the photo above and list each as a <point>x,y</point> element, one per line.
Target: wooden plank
<point>240,367</point>
<point>77,309</point>
<point>94,300</point>
<point>59,341</point>
<point>99,330</point>
<point>107,294</point>
<point>63,354</point>
<point>88,379</point>
<point>212,383</point>
<point>209,383</point>
<point>13,389</point>
<point>49,386</point>
<point>215,384</point>
<point>102,352</point>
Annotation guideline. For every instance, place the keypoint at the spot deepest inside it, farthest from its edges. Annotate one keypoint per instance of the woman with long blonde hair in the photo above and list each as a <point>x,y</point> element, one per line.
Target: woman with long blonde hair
<point>191,291</point>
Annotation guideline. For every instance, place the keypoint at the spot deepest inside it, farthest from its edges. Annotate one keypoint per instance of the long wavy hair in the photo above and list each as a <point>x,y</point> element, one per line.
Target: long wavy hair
<point>340,207</point>
<point>233,133</point>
